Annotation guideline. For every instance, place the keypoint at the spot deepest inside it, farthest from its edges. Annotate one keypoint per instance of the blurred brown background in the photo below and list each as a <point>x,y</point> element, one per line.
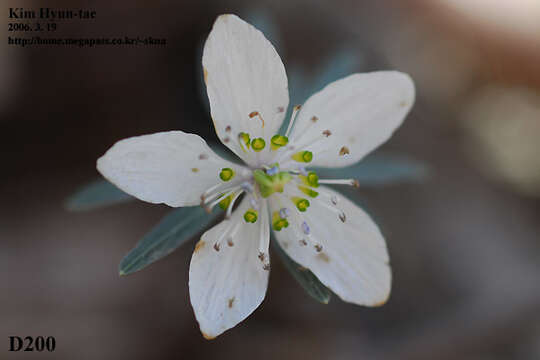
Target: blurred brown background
<point>464,246</point>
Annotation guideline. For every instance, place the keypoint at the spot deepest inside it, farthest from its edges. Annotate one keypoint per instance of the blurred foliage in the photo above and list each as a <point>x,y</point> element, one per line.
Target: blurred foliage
<point>179,226</point>
<point>99,193</point>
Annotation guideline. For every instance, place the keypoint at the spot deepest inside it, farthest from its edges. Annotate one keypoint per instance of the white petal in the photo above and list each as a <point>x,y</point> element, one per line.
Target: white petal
<point>361,112</point>
<point>353,262</point>
<point>226,286</point>
<point>243,73</point>
<point>172,167</point>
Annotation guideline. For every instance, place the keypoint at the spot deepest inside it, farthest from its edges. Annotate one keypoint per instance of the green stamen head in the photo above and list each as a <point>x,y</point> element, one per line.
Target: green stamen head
<point>301,204</point>
<point>278,141</point>
<point>303,156</point>
<point>224,204</point>
<point>312,179</point>
<point>226,174</point>
<point>244,140</point>
<point>251,216</point>
<point>278,222</point>
<point>308,191</point>
<point>269,184</point>
<point>258,144</point>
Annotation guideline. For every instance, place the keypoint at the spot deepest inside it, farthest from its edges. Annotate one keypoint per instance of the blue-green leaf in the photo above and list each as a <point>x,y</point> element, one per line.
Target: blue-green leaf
<point>309,282</point>
<point>380,169</point>
<point>97,194</point>
<point>175,229</point>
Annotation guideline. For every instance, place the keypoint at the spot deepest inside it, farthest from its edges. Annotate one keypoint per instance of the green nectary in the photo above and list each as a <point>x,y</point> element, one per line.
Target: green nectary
<point>269,184</point>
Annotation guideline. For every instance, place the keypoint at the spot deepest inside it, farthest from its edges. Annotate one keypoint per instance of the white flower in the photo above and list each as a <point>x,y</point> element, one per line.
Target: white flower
<point>316,226</point>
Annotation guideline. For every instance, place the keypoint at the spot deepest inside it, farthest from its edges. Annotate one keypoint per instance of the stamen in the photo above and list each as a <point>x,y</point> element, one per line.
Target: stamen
<point>243,140</point>
<point>224,204</point>
<point>258,144</point>
<point>251,216</point>
<point>309,192</point>
<point>226,174</point>
<point>296,108</point>
<point>256,113</point>
<point>278,221</point>
<point>264,239</point>
<point>231,204</point>
<point>303,156</point>
<point>311,179</point>
<point>301,204</point>
<point>272,171</point>
<point>221,198</point>
<point>305,228</point>
<point>284,213</point>
<point>278,141</point>
<point>351,182</point>
<point>229,232</point>
<point>344,151</point>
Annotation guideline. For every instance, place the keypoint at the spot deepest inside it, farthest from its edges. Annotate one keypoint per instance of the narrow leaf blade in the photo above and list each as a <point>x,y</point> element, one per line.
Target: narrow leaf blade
<point>309,282</point>
<point>379,169</point>
<point>99,193</point>
<point>175,229</point>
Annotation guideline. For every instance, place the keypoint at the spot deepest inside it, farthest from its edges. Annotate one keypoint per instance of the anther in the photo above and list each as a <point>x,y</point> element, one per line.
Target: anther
<point>258,144</point>
<point>334,199</point>
<point>243,139</point>
<point>228,129</point>
<point>327,133</point>
<point>309,192</point>
<point>303,242</point>
<point>318,247</point>
<point>256,113</point>
<point>303,156</point>
<point>266,267</point>
<point>278,141</point>
<point>226,139</point>
<point>216,247</point>
<point>251,215</point>
<point>230,242</point>
<point>343,151</point>
<point>261,256</point>
<point>301,204</point>
<point>226,174</point>
<point>314,118</point>
<point>305,228</point>
<point>296,108</point>
<point>272,171</point>
<point>203,157</point>
<point>278,221</point>
<point>284,213</point>
<point>342,216</point>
